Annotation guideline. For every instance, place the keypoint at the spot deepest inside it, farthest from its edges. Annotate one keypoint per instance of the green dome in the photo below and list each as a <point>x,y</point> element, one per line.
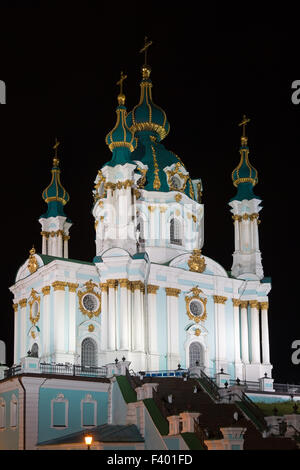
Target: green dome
<point>55,194</point>
<point>244,176</point>
<point>147,116</point>
<point>158,159</point>
<point>120,139</point>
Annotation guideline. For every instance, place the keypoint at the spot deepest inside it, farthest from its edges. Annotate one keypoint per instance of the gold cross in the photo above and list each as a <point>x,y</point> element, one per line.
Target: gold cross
<point>244,122</point>
<point>120,82</point>
<point>145,48</point>
<point>55,146</point>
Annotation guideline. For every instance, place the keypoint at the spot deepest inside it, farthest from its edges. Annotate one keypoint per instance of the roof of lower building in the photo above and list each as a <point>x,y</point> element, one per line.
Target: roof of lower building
<point>102,433</point>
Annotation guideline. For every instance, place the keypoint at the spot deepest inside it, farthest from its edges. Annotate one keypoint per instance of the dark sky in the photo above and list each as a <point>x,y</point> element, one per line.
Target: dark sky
<point>209,67</point>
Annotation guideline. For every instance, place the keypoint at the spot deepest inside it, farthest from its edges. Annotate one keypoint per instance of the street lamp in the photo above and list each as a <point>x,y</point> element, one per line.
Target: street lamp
<point>88,440</point>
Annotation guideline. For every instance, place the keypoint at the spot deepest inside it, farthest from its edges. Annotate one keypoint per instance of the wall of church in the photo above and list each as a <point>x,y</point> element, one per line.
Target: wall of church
<point>63,410</point>
<point>9,419</point>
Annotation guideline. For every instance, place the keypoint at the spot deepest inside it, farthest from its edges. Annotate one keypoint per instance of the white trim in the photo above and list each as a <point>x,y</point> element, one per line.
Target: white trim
<point>60,399</point>
<point>88,399</point>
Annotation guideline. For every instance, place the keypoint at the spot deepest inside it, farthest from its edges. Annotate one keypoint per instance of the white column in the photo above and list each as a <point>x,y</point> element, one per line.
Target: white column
<point>255,346</point>
<point>137,324</point>
<point>151,210</point>
<point>66,250</point>
<point>255,232</point>
<point>236,326</point>
<point>32,386</point>
<point>46,322</point>
<point>60,243</point>
<point>112,284</point>
<point>44,243</point>
<point>22,333</point>
<point>104,317</point>
<point>173,357</point>
<point>59,320</point>
<point>265,333</point>
<point>236,232</point>
<point>16,342</point>
<point>221,359</point>
<point>152,318</point>
<point>163,225</point>
<point>130,319</point>
<point>72,318</point>
<point>244,331</point>
<point>124,333</point>
<point>246,245</point>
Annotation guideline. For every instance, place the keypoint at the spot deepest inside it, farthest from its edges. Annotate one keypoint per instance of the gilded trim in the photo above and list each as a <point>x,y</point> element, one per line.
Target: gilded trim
<point>89,289</point>
<point>59,285</point>
<point>171,291</point>
<point>219,299</point>
<point>46,290</point>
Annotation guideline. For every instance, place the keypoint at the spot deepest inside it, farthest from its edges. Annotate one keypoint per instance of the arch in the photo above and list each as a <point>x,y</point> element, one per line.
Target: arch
<point>175,232</point>
<point>34,350</point>
<point>89,352</point>
<point>196,354</point>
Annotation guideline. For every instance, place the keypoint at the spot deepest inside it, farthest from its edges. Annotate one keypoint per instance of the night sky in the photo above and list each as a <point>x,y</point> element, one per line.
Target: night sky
<point>209,67</point>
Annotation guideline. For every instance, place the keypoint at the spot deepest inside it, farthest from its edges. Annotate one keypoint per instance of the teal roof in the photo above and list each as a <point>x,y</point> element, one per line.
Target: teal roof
<point>146,115</point>
<point>157,157</point>
<point>120,139</point>
<point>244,176</point>
<point>102,433</point>
<point>55,194</point>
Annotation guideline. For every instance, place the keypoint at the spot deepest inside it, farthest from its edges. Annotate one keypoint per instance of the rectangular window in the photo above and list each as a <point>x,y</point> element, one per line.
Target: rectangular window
<point>2,415</point>
<point>88,414</point>
<point>59,414</point>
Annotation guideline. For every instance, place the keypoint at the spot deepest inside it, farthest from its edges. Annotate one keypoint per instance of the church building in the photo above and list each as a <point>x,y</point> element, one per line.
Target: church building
<point>150,300</point>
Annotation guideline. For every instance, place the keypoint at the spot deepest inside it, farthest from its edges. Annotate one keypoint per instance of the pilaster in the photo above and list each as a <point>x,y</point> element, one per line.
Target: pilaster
<point>173,356</point>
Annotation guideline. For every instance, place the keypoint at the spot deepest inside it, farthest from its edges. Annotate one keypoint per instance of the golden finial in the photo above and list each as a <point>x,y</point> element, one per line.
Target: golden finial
<point>146,70</point>
<point>32,251</point>
<point>121,96</point>
<point>243,123</point>
<point>55,159</point>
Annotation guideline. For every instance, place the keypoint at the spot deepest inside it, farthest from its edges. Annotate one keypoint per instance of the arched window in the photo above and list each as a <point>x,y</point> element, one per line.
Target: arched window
<point>35,350</point>
<point>140,228</point>
<point>195,354</point>
<point>175,232</point>
<point>88,352</point>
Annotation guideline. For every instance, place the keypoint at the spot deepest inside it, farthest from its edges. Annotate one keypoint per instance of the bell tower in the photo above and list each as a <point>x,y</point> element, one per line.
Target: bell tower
<point>245,209</point>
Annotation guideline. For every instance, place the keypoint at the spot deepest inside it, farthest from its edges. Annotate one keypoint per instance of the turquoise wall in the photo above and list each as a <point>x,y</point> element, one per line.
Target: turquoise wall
<point>9,437</point>
<point>74,397</point>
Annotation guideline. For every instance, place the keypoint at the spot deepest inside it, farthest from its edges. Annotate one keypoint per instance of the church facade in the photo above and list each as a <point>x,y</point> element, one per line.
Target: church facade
<point>149,294</point>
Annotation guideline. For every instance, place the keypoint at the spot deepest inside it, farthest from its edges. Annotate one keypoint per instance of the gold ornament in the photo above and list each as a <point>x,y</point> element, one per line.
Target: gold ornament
<point>91,328</point>
<point>34,314</point>
<point>196,262</point>
<point>32,263</point>
<point>197,332</point>
<point>89,290</point>
<point>196,298</point>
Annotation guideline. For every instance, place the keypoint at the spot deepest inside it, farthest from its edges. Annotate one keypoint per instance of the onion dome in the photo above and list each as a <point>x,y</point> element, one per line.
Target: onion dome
<point>147,116</point>
<point>120,139</point>
<point>244,176</point>
<point>55,194</point>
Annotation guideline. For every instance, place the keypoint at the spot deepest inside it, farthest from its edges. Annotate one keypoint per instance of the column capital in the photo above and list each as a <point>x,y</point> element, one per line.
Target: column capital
<point>46,290</point>
<point>72,286</point>
<point>137,285</point>
<point>123,282</point>
<point>219,299</point>
<point>264,305</point>
<point>172,291</point>
<point>15,307</point>
<point>236,302</point>
<point>236,218</point>
<point>104,286</point>
<point>244,303</point>
<point>152,289</point>
<point>59,285</point>
<point>112,283</point>
<point>23,303</point>
<point>254,303</point>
